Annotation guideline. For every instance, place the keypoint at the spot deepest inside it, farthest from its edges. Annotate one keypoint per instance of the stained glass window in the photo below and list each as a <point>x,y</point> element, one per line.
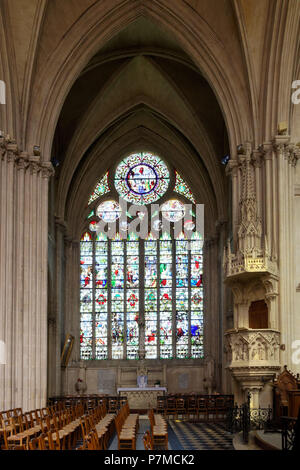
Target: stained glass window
<point>86,296</point>
<point>182,188</point>
<point>173,210</point>
<point>196,328</point>
<point>142,178</point>
<point>141,297</point>
<point>109,211</point>
<point>150,296</point>
<point>165,295</point>
<point>100,189</point>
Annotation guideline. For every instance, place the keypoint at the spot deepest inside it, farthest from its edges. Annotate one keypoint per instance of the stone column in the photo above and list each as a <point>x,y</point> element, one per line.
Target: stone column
<point>72,296</point>
<point>257,158</point>
<point>8,153</point>
<point>47,172</point>
<point>23,277</point>
<point>267,147</point>
<point>211,295</point>
<point>22,164</point>
<point>71,303</point>
<point>232,170</point>
<point>285,311</point>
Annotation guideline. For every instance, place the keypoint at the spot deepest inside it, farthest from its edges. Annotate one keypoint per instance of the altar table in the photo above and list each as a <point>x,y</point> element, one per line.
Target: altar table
<point>142,397</point>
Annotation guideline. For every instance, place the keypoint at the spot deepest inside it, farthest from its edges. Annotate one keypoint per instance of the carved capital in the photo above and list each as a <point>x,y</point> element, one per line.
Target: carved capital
<point>232,168</point>
<point>22,161</point>
<point>266,150</point>
<point>47,170</point>
<point>293,154</point>
<point>34,164</point>
<point>257,158</point>
<point>280,145</point>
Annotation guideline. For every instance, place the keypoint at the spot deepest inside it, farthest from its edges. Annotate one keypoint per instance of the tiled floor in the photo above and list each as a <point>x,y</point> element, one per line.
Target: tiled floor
<point>198,436</point>
<point>187,436</point>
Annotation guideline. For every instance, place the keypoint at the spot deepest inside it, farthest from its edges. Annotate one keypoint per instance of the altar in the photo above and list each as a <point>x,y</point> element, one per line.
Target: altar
<point>142,397</point>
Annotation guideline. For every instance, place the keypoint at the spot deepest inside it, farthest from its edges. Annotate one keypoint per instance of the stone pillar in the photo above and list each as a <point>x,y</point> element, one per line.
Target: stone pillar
<point>267,147</point>
<point>22,164</point>
<point>8,154</point>
<point>211,291</point>
<point>71,305</point>
<point>23,277</point>
<point>232,169</point>
<point>285,307</point>
<point>72,298</point>
<point>257,159</point>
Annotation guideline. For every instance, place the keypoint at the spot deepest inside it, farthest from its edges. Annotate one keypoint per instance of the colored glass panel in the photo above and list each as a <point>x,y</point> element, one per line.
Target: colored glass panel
<point>109,211</point>
<point>172,302</point>
<point>142,178</point>
<point>182,188</point>
<point>173,210</point>
<point>100,189</point>
<point>196,328</point>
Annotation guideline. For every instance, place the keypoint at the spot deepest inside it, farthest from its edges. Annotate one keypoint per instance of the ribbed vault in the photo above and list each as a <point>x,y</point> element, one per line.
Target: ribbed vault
<point>140,96</point>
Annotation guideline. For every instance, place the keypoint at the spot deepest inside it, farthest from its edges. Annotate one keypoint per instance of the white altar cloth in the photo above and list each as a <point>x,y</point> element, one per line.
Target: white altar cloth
<point>141,389</point>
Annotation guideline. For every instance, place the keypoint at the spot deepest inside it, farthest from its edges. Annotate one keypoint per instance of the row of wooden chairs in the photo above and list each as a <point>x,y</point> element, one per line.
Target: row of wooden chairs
<point>159,431</point>
<point>127,425</point>
<point>90,402</point>
<point>19,430</point>
<point>97,428</point>
<point>202,408</point>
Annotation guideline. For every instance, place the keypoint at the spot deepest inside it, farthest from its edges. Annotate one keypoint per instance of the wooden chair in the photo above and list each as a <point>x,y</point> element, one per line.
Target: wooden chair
<point>171,407</point>
<point>112,405</point>
<point>191,407</point>
<point>180,408</point>
<point>34,444</point>
<point>53,443</point>
<point>148,441</point>
<point>211,409</point>
<point>20,436</point>
<point>202,409</point>
<point>126,427</point>
<point>220,408</point>
<point>161,404</point>
<point>93,441</point>
<point>7,430</point>
<point>159,432</point>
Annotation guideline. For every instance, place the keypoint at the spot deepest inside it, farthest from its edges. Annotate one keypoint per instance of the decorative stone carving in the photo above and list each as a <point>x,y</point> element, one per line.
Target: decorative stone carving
<point>252,254</point>
<point>252,346</point>
<point>10,151</point>
<point>253,358</point>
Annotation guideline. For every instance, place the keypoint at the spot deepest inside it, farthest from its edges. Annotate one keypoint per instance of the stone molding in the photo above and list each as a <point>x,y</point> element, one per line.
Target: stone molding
<point>22,160</point>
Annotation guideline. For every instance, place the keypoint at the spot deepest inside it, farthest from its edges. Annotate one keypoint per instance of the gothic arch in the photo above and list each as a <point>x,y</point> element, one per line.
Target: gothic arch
<point>82,41</point>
